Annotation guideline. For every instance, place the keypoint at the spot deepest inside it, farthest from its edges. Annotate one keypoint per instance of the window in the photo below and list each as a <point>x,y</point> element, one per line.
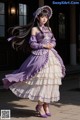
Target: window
<point>22,14</point>
<point>61,26</point>
<point>2,19</point>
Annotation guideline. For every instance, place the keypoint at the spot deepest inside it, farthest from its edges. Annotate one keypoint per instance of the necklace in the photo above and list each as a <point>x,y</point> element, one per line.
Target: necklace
<point>45,31</point>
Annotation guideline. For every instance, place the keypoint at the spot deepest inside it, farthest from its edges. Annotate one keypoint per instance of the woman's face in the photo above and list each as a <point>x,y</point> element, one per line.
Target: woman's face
<point>43,20</point>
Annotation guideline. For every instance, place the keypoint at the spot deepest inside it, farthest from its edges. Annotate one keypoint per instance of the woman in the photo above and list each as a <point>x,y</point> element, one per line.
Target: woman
<point>39,77</point>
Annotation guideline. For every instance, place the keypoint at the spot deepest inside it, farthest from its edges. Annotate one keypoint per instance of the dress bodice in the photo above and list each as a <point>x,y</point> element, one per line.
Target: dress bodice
<point>45,37</point>
<point>37,41</point>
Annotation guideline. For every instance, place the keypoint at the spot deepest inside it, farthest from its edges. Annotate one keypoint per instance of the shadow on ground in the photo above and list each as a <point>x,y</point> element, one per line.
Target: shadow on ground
<point>20,108</point>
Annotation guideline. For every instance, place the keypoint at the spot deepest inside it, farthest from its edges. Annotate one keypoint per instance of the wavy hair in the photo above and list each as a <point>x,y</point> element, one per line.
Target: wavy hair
<point>20,34</point>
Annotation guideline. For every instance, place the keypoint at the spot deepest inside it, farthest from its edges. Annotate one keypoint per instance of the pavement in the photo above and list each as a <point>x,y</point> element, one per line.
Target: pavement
<point>68,108</point>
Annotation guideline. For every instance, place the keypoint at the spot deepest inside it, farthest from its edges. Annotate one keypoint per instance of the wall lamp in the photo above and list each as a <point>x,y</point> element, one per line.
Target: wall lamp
<point>13,10</point>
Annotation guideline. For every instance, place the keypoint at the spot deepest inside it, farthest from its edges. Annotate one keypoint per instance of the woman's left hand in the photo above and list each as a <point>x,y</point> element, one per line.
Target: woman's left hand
<point>48,46</point>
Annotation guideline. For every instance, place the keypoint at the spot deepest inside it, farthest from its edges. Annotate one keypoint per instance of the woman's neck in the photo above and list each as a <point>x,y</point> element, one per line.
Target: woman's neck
<point>41,25</point>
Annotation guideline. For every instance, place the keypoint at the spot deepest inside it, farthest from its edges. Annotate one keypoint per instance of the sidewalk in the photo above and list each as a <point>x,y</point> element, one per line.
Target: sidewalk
<point>68,108</point>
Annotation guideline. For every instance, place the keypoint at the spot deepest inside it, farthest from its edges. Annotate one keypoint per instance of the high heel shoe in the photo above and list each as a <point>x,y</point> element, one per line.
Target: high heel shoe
<point>38,107</point>
<point>48,114</point>
<point>45,106</point>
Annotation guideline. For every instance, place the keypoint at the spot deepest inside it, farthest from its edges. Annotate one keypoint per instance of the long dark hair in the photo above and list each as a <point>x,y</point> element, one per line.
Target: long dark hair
<point>21,34</point>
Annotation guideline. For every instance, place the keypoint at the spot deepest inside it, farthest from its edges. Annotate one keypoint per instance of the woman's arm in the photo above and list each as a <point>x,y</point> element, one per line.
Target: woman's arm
<point>33,41</point>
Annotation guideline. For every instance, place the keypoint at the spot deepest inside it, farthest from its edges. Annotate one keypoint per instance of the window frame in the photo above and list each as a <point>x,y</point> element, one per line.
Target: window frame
<point>3,25</point>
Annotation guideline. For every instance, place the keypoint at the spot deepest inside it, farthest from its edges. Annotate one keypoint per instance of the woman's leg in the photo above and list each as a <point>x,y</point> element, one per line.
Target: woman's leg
<point>46,108</point>
<point>40,109</point>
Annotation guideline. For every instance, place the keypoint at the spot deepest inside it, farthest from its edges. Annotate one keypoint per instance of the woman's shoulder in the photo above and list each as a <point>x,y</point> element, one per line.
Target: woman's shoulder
<point>34,30</point>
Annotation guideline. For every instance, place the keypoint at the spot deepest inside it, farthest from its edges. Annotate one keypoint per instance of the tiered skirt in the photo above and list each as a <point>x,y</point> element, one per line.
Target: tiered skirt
<point>44,86</point>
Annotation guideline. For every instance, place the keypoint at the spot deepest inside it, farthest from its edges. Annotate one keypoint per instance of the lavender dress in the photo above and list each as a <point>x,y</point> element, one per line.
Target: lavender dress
<point>40,75</point>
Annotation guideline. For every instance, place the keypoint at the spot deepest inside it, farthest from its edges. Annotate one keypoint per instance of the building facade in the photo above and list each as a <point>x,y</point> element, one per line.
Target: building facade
<point>65,24</point>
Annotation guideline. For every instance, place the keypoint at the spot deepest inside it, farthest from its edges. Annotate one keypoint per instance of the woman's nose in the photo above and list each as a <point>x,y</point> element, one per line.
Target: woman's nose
<point>44,18</point>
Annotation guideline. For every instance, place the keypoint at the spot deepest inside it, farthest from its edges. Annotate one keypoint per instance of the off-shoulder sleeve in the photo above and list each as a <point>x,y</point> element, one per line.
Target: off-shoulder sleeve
<point>53,41</point>
<point>34,44</point>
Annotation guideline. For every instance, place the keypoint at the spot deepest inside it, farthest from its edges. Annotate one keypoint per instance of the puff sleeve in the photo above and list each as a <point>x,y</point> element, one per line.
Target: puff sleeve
<point>34,44</point>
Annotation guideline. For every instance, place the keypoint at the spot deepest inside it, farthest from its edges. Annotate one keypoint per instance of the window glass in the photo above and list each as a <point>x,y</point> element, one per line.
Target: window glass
<point>21,9</point>
<point>1,8</point>
<point>22,14</point>
<point>25,20</point>
<point>2,19</point>
<point>2,31</point>
<point>25,11</point>
<point>21,20</point>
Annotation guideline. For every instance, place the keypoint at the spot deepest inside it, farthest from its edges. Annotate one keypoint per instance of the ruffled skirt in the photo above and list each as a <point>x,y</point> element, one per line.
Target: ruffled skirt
<point>44,86</point>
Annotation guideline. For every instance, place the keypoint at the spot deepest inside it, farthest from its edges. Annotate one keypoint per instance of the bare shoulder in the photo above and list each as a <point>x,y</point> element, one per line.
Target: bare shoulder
<point>34,28</point>
<point>34,31</point>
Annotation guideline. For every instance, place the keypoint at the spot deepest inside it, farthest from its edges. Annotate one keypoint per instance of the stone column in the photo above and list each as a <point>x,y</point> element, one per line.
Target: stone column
<point>73,35</point>
<point>41,3</point>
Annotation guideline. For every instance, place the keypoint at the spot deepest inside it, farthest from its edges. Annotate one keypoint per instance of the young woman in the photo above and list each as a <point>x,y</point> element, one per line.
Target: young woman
<point>39,77</point>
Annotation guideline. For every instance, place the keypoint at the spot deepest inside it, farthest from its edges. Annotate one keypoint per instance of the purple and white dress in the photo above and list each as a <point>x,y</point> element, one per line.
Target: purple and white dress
<point>39,77</point>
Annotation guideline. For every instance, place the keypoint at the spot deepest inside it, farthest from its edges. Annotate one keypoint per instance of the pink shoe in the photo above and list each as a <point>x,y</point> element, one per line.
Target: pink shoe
<point>38,110</point>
